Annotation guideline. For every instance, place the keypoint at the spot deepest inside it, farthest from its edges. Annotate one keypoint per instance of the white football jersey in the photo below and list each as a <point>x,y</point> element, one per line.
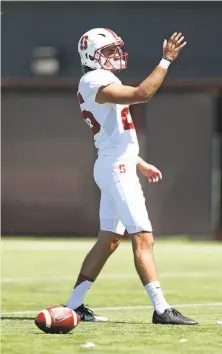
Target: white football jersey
<point>111,124</point>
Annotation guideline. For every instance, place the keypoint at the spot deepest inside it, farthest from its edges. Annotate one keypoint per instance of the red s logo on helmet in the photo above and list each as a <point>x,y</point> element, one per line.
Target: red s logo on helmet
<point>84,43</point>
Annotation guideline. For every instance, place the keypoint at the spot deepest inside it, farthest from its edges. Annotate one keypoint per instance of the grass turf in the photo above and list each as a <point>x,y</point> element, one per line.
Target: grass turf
<point>40,273</point>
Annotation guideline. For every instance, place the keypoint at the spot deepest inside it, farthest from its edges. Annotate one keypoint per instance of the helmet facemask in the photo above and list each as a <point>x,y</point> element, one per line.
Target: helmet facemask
<point>116,61</point>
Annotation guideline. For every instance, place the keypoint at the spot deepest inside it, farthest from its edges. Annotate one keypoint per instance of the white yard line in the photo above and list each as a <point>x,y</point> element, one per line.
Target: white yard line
<point>209,304</point>
<point>180,274</point>
<point>67,245</point>
<point>117,308</point>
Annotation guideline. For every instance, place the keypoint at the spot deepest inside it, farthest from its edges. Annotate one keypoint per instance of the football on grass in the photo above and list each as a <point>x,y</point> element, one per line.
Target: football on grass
<point>57,319</point>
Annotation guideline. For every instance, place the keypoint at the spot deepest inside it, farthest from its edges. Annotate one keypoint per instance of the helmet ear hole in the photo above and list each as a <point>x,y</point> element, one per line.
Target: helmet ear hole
<point>91,58</point>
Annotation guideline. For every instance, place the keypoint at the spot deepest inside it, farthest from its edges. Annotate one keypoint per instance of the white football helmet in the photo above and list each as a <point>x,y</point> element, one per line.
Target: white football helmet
<point>92,43</point>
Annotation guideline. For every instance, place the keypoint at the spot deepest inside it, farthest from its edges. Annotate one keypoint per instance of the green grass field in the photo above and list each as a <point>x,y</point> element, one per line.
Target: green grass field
<point>40,273</point>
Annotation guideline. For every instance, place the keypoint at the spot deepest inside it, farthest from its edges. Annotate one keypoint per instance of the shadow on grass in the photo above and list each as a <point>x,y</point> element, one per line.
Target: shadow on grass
<point>19,318</point>
<point>127,322</point>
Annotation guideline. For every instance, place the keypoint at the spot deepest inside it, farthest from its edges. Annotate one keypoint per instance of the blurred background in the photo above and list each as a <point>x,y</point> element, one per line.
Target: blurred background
<point>47,150</point>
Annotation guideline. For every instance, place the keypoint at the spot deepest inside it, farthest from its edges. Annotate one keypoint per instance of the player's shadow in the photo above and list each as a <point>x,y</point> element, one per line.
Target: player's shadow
<point>125,322</point>
<point>97,323</point>
<point>17,318</point>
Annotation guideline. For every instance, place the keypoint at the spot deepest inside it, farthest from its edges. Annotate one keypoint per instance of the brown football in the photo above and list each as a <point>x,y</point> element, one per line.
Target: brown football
<point>57,319</point>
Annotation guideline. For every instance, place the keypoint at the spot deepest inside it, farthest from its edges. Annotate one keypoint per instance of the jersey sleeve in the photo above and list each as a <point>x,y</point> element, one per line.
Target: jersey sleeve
<point>99,79</point>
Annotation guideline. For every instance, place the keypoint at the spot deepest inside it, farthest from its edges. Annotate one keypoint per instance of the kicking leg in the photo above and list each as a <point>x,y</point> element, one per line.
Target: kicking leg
<point>105,245</point>
<point>107,242</point>
<point>93,263</point>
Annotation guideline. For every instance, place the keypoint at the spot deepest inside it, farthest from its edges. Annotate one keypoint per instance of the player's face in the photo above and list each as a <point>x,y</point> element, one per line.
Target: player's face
<point>110,52</point>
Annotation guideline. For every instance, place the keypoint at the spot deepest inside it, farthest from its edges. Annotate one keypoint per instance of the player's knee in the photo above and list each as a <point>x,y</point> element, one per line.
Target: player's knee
<point>108,241</point>
<point>111,245</point>
<point>142,241</point>
<point>114,244</point>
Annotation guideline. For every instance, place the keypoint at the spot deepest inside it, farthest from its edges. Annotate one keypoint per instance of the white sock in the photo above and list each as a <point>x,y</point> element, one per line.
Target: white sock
<point>154,291</point>
<point>78,294</point>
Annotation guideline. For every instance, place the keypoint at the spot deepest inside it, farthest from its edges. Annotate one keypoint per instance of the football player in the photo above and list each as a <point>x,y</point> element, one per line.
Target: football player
<point>104,103</point>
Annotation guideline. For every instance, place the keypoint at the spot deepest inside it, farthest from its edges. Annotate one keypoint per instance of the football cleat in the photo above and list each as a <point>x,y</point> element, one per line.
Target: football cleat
<point>87,315</point>
<point>172,317</point>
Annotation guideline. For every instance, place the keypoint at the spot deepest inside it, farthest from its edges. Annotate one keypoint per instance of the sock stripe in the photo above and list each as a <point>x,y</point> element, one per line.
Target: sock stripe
<point>81,279</point>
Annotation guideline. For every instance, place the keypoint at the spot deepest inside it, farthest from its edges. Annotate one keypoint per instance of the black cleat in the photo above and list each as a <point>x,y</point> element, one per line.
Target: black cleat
<point>172,317</point>
<point>87,315</point>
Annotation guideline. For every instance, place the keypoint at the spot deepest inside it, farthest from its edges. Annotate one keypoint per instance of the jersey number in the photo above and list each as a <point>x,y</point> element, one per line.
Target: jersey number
<point>95,126</point>
<point>89,117</point>
<point>91,121</point>
<point>126,119</point>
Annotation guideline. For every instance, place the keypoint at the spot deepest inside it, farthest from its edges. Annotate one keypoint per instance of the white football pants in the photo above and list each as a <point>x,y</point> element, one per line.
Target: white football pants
<point>122,204</point>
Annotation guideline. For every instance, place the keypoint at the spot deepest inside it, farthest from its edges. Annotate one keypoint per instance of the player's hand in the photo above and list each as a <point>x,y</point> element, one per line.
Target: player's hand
<point>151,173</point>
<point>173,46</point>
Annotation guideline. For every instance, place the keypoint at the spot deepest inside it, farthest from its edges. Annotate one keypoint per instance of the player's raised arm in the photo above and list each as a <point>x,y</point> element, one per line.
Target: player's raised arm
<point>121,94</point>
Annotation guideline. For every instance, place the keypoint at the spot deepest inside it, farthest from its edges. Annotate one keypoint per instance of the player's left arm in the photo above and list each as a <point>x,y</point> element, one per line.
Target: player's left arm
<point>149,171</point>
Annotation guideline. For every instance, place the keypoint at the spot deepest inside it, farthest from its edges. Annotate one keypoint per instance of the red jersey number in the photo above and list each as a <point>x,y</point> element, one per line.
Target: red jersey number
<point>95,126</point>
<point>126,119</point>
<point>89,117</point>
<point>91,121</point>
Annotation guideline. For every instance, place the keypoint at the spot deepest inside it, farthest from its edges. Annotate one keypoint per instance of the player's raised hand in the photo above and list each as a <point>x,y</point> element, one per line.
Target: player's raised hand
<point>173,46</point>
